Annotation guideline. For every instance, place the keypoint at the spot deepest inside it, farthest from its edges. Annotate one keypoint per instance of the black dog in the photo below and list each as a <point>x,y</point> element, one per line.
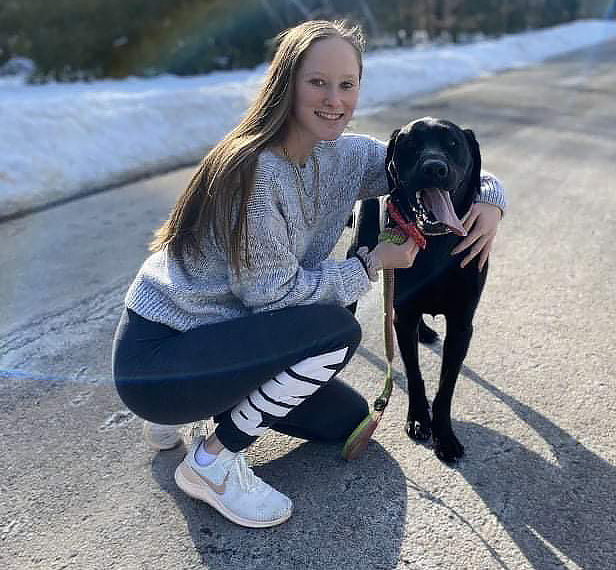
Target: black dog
<point>433,168</point>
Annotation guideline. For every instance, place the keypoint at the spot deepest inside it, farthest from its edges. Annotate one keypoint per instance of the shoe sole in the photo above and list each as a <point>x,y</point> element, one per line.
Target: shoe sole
<point>200,491</point>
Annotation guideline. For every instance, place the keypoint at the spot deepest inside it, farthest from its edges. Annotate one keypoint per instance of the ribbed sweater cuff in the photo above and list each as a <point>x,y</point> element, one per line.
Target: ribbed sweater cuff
<point>492,192</point>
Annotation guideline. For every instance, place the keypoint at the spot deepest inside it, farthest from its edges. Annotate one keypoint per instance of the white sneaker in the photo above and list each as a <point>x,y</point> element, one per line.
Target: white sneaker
<point>231,487</point>
<point>161,437</point>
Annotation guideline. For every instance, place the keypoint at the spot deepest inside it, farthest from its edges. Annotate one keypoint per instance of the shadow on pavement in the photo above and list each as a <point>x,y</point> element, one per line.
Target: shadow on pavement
<point>551,508</point>
<point>347,514</point>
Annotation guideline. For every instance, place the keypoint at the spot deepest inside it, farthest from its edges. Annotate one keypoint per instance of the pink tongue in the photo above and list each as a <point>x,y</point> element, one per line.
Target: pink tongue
<point>439,202</point>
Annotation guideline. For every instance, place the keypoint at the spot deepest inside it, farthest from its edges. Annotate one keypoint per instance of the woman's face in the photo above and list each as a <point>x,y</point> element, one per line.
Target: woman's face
<point>326,91</point>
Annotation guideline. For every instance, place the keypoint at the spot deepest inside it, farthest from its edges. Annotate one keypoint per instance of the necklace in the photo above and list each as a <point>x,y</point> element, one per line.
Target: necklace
<point>301,187</point>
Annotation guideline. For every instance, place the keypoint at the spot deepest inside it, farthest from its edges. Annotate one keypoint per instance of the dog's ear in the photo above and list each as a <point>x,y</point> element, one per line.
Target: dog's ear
<point>390,152</point>
<point>475,176</point>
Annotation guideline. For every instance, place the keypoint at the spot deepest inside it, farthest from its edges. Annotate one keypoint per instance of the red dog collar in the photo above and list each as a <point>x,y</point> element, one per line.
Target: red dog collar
<point>409,229</point>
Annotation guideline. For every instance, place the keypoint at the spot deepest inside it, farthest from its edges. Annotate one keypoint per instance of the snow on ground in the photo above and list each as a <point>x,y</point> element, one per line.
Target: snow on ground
<point>62,140</point>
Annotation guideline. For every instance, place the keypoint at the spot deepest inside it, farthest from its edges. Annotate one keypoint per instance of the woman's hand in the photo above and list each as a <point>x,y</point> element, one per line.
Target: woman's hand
<point>389,255</point>
<point>481,223</point>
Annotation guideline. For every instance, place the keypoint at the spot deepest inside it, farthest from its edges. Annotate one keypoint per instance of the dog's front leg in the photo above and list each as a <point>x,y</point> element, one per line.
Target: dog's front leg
<point>418,424</point>
<point>457,340</point>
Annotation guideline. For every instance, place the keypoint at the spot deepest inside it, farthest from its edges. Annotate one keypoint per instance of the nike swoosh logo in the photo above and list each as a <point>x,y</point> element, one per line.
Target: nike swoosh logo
<point>219,489</point>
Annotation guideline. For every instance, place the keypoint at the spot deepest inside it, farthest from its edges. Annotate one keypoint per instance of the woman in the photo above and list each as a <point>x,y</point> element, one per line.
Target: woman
<point>239,314</point>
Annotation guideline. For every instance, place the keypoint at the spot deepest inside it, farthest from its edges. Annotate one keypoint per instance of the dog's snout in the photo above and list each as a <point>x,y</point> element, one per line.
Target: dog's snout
<point>434,169</point>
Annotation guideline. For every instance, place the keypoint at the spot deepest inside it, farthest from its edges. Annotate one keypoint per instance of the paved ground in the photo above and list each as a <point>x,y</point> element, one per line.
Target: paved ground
<point>535,405</point>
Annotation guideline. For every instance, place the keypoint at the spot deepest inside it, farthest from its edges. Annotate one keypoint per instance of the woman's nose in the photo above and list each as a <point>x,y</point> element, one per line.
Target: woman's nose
<point>332,96</point>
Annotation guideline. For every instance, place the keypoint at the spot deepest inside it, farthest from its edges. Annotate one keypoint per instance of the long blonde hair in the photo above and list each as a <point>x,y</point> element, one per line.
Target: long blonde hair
<point>217,196</point>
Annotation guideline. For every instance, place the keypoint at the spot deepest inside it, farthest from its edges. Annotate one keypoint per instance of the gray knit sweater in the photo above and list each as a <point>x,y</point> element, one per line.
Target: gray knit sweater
<point>290,262</point>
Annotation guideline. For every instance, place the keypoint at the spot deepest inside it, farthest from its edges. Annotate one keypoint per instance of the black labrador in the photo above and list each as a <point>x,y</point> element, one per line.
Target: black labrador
<point>433,168</point>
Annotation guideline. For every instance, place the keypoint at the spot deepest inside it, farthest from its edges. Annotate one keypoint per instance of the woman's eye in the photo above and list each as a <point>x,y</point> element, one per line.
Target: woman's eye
<point>348,85</point>
<point>317,82</point>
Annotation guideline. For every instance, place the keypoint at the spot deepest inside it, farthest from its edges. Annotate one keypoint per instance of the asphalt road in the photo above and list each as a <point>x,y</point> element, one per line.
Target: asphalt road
<point>535,404</point>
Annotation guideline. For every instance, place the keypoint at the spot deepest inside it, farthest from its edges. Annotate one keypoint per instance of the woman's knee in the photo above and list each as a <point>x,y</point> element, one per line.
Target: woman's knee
<point>340,324</point>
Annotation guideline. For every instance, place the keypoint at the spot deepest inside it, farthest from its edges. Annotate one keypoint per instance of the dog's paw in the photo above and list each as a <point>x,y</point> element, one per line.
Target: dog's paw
<point>447,448</point>
<point>419,431</point>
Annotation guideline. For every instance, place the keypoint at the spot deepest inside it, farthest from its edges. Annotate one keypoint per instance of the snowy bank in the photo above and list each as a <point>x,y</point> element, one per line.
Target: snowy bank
<point>62,140</point>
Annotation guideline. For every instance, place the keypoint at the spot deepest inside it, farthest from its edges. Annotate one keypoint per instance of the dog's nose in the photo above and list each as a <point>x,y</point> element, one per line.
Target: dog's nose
<point>434,169</point>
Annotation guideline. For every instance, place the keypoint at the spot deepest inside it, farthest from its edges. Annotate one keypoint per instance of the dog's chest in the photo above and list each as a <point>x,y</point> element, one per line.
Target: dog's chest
<point>431,274</point>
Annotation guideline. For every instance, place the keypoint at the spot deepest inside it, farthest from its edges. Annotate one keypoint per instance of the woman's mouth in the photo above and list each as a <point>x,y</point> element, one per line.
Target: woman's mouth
<point>329,116</point>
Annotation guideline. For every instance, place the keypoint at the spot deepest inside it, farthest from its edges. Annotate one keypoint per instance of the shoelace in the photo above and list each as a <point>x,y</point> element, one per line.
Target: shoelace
<point>245,475</point>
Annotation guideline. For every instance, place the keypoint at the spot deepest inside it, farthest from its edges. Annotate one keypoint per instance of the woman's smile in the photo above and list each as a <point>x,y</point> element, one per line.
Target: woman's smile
<point>328,115</point>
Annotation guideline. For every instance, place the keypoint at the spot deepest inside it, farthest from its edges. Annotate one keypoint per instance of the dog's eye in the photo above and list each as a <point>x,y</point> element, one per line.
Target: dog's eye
<point>453,143</point>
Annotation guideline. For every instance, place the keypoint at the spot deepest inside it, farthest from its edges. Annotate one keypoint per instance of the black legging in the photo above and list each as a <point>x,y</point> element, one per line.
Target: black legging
<point>274,369</point>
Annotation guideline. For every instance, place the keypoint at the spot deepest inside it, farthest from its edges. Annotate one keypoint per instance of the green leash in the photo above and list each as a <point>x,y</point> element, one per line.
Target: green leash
<point>357,442</point>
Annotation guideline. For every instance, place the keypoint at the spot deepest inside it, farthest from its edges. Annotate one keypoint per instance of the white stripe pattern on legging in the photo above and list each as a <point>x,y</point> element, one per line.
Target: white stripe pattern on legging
<point>315,367</point>
<point>285,388</point>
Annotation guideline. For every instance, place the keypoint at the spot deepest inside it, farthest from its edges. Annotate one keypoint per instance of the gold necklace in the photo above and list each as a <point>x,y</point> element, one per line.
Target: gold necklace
<point>301,188</point>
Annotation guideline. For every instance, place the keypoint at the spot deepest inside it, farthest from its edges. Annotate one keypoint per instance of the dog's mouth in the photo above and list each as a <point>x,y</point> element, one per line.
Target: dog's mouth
<point>435,214</point>
<point>430,208</point>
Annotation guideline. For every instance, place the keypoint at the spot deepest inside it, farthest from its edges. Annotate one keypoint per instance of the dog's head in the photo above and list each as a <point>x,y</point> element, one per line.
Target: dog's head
<point>433,168</point>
